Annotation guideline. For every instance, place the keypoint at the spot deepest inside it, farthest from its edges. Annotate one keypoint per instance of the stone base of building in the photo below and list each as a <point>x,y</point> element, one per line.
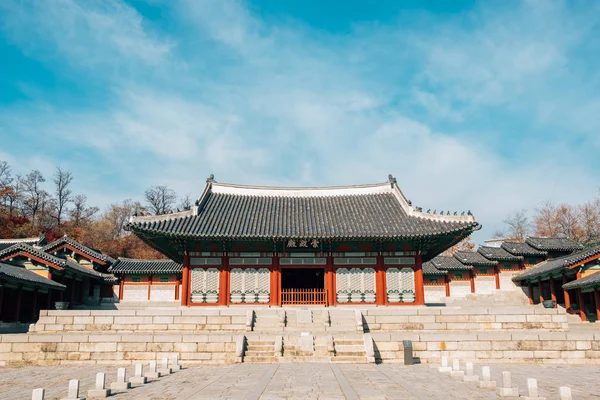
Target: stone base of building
<point>229,335</point>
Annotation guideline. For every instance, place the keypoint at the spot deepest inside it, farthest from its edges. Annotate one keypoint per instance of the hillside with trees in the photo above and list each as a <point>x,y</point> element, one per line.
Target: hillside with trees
<point>38,203</point>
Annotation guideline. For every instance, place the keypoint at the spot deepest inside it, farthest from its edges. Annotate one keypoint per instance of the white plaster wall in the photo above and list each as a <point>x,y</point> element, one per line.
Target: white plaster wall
<point>506,282</point>
<point>485,284</point>
<point>135,293</point>
<point>460,288</point>
<point>162,293</point>
<point>435,294</point>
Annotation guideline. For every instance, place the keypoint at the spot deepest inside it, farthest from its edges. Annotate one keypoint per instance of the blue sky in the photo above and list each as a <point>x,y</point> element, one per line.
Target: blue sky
<point>491,106</point>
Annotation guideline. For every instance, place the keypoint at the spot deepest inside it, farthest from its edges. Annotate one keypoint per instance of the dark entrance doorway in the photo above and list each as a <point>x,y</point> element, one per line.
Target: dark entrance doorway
<point>303,278</point>
<point>303,286</point>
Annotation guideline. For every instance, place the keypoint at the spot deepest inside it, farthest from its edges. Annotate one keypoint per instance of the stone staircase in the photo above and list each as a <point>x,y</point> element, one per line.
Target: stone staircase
<point>349,351</point>
<point>260,351</point>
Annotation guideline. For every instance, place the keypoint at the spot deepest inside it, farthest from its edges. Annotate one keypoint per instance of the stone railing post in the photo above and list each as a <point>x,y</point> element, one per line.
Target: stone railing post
<point>486,382</point>
<point>369,348</point>
<point>99,390</point>
<point>507,390</point>
<point>139,378</point>
<point>239,348</point>
<point>249,320</point>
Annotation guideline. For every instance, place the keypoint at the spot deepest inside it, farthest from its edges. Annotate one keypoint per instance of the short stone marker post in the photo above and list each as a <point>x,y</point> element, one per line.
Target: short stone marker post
<point>152,372</point>
<point>469,376</point>
<point>532,390</point>
<point>176,366</point>
<point>486,381</point>
<point>99,390</point>
<point>507,390</point>
<point>565,393</point>
<point>456,372</point>
<point>38,394</point>
<point>445,368</point>
<point>121,384</point>
<point>138,378</point>
<point>73,393</point>
<point>164,366</point>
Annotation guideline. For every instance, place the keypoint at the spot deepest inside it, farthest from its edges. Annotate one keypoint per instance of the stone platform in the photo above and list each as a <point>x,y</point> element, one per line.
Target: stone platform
<point>212,335</point>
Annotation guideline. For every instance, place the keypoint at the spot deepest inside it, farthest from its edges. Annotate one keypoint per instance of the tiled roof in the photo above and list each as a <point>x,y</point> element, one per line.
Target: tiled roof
<point>6,243</point>
<point>589,281</point>
<point>369,211</point>
<point>473,258</point>
<point>61,262</point>
<point>21,274</point>
<point>553,244</point>
<point>449,263</point>
<point>522,249</point>
<point>84,249</point>
<point>128,266</point>
<point>557,264</point>
<point>497,254</point>
<point>430,269</point>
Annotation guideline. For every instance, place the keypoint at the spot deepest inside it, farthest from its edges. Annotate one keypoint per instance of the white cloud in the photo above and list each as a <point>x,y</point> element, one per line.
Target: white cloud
<point>270,104</point>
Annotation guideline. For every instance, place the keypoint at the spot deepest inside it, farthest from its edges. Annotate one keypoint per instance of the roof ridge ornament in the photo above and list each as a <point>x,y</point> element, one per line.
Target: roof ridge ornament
<point>211,178</point>
<point>392,180</point>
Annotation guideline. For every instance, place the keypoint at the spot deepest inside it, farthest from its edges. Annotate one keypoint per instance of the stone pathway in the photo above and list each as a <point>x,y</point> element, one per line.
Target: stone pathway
<point>304,381</point>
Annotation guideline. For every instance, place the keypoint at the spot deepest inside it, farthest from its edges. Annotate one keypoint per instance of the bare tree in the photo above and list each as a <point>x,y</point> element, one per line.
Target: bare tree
<point>6,177</point>
<point>81,213</point>
<point>517,225</point>
<point>589,218</point>
<point>33,194</point>
<point>567,221</point>
<point>118,215</point>
<point>186,202</point>
<point>160,199</point>
<point>62,180</point>
<point>545,220</point>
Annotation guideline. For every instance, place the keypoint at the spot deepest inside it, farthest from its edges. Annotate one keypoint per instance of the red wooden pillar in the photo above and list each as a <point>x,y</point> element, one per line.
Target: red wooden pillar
<point>541,291</point>
<point>597,301</point>
<point>330,281</point>
<point>149,286</point>
<point>273,285</point>
<point>566,294</point>
<point>34,305</point>
<point>277,278</point>
<point>530,290</point>
<point>18,303</point>
<point>497,276</point>
<point>380,292</point>
<point>419,287</point>
<point>224,297</point>
<point>553,291</point>
<point>472,279</point>
<point>177,284</point>
<point>447,284</point>
<point>185,276</point>
<point>121,288</point>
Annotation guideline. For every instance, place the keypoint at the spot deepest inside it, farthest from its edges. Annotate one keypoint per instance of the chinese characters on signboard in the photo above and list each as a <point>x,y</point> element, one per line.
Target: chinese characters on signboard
<point>302,243</point>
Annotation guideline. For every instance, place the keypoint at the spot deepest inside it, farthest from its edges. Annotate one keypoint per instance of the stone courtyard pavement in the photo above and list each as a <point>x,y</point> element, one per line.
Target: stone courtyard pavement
<point>303,381</point>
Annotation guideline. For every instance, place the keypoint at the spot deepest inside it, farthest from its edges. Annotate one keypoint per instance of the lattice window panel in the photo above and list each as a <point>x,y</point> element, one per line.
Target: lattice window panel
<point>400,285</point>
<point>250,285</point>
<point>205,285</point>
<point>355,285</point>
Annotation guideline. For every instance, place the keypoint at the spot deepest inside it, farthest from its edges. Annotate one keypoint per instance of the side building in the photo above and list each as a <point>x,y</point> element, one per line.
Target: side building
<point>279,246</point>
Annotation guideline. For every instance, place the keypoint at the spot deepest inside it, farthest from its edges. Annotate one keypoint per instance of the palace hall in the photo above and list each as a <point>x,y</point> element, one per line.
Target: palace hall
<point>277,246</point>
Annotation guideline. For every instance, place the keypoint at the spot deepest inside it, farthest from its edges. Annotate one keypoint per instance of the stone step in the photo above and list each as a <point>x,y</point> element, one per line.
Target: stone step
<point>340,348</point>
<point>260,348</point>
<point>350,354</point>
<point>347,342</point>
<point>254,353</point>
<point>261,359</point>
<point>349,359</point>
